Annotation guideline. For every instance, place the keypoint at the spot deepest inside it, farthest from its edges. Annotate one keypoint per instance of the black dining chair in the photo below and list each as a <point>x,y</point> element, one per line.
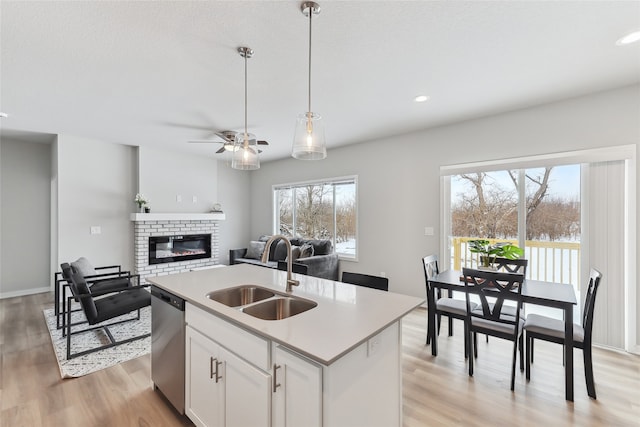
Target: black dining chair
<point>548,329</point>
<point>509,266</point>
<point>518,265</point>
<point>367,280</point>
<point>494,288</point>
<point>447,306</point>
<point>296,267</point>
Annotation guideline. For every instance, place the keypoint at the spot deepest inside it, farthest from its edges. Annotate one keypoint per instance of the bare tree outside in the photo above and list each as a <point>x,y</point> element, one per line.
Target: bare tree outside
<point>308,211</point>
<point>488,207</point>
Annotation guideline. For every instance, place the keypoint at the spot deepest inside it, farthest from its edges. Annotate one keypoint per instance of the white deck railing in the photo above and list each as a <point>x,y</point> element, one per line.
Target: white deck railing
<point>548,261</point>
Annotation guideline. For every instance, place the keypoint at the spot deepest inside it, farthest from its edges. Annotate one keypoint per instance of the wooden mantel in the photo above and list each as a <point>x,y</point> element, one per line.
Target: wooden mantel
<point>215,216</point>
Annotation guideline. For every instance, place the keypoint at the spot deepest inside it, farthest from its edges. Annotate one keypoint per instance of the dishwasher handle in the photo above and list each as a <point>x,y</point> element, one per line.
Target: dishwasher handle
<point>168,298</point>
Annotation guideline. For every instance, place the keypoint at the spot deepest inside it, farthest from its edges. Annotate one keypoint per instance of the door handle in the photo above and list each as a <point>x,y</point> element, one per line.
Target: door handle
<point>275,377</point>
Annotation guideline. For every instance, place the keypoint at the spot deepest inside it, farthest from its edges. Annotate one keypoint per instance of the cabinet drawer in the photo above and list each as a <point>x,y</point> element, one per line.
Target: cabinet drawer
<point>254,349</point>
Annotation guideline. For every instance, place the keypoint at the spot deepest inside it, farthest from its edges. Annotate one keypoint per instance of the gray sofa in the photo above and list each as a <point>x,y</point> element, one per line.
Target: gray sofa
<point>317,255</point>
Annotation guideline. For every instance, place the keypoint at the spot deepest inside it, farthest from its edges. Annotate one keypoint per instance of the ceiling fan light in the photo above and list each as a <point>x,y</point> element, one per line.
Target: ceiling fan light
<point>245,152</point>
<point>308,138</point>
<point>230,146</point>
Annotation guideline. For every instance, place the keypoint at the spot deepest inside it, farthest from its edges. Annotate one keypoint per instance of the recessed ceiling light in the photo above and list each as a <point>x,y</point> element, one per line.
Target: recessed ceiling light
<point>629,38</point>
<point>421,98</point>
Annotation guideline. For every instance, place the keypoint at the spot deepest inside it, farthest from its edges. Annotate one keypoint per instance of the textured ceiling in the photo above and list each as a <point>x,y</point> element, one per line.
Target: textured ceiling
<point>162,73</point>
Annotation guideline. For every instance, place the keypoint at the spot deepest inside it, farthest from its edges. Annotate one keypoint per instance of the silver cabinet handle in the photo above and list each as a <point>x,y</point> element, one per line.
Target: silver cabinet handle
<point>275,376</point>
<point>214,373</point>
<point>218,377</point>
<point>211,367</point>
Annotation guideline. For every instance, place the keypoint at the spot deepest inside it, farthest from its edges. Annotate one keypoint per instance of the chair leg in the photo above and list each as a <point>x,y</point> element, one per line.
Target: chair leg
<point>521,348</point>
<point>471,345</point>
<point>428,330</point>
<point>588,371</point>
<point>439,322</point>
<point>475,345</point>
<point>513,365</point>
<point>529,357</point>
<point>466,341</point>
<point>450,326</point>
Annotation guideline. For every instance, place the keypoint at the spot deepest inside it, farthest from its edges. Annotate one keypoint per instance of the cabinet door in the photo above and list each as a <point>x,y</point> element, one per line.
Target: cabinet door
<point>297,399</point>
<point>247,393</point>
<point>204,394</point>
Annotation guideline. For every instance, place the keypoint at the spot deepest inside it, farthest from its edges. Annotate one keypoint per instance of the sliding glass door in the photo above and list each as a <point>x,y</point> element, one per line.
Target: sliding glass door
<point>569,211</point>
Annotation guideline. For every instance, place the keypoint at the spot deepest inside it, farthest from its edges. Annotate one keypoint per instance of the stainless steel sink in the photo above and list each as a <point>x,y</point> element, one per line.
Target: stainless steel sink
<point>240,295</point>
<point>279,308</point>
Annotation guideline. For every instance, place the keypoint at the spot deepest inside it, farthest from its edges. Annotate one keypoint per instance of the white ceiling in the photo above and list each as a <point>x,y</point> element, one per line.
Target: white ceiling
<point>162,73</point>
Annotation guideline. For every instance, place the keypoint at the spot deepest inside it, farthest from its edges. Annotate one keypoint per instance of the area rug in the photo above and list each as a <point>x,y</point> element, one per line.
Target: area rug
<point>102,359</point>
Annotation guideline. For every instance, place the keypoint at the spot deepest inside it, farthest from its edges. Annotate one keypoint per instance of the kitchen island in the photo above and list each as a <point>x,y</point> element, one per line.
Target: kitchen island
<point>336,364</point>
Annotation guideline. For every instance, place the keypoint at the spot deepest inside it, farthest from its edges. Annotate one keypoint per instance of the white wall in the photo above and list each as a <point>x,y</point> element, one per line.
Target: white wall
<point>25,176</point>
<point>398,177</point>
<point>235,198</point>
<point>163,175</point>
<point>96,187</point>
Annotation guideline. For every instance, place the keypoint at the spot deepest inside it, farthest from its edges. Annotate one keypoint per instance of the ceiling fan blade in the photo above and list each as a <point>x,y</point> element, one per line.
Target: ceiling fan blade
<point>227,135</point>
<point>221,150</point>
<point>263,143</point>
<point>204,141</point>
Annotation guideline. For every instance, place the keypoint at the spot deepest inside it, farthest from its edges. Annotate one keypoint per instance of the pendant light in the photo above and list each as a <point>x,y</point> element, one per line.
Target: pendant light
<point>245,146</point>
<point>308,139</point>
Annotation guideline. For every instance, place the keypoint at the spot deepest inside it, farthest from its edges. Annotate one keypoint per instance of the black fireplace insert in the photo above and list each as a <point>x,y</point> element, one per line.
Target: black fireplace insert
<point>163,249</point>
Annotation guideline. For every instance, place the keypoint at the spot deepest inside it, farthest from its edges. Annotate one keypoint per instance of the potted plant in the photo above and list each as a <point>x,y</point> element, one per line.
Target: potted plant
<point>140,201</point>
<point>490,251</point>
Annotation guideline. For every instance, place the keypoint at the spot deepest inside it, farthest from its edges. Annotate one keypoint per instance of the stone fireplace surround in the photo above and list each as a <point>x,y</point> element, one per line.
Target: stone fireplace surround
<point>146,225</point>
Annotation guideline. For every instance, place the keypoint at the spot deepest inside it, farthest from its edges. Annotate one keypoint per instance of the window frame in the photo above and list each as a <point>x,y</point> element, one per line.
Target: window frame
<point>350,179</point>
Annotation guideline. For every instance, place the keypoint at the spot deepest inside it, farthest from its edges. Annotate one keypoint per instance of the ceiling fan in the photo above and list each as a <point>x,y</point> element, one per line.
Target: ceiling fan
<point>228,139</point>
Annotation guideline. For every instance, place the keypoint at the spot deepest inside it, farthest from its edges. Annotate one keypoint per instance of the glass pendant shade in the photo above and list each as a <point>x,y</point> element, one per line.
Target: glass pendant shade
<point>245,152</point>
<point>308,139</point>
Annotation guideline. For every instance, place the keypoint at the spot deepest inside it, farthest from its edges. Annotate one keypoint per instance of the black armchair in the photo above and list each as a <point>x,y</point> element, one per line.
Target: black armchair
<point>98,279</point>
<point>110,304</point>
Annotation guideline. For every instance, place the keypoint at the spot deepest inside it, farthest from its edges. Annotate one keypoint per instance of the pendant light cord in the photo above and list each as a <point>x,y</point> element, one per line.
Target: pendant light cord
<point>245,97</point>
<point>310,14</point>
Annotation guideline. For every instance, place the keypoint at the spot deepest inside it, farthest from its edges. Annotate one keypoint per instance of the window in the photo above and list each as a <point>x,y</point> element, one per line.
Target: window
<point>324,209</point>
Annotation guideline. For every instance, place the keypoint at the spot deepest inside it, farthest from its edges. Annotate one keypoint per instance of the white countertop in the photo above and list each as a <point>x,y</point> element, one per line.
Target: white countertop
<point>346,315</point>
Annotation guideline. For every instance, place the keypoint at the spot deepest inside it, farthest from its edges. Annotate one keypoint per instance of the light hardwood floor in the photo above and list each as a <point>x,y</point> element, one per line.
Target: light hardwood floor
<point>437,391</point>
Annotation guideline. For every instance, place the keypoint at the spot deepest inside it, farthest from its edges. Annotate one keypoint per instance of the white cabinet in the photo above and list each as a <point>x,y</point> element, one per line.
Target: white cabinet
<point>297,390</point>
<point>247,393</point>
<point>204,397</point>
<point>223,389</point>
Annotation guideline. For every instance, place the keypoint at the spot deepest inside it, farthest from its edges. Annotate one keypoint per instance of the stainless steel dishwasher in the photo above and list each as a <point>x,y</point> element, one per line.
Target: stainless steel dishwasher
<point>167,346</point>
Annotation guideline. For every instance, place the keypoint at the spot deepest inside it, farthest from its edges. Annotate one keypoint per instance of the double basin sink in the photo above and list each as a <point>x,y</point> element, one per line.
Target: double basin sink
<point>261,302</point>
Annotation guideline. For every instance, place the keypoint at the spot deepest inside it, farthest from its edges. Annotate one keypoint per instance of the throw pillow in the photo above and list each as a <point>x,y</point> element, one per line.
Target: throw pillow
<point>279,252</point>
<point>255,250</point>
<point>321,247</point>
<point>84,267</point>
<point>295,253</point>
<point>306,251</point>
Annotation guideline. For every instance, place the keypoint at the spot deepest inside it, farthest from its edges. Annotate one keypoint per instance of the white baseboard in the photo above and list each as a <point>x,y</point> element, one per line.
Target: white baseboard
<point>23,292</point>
